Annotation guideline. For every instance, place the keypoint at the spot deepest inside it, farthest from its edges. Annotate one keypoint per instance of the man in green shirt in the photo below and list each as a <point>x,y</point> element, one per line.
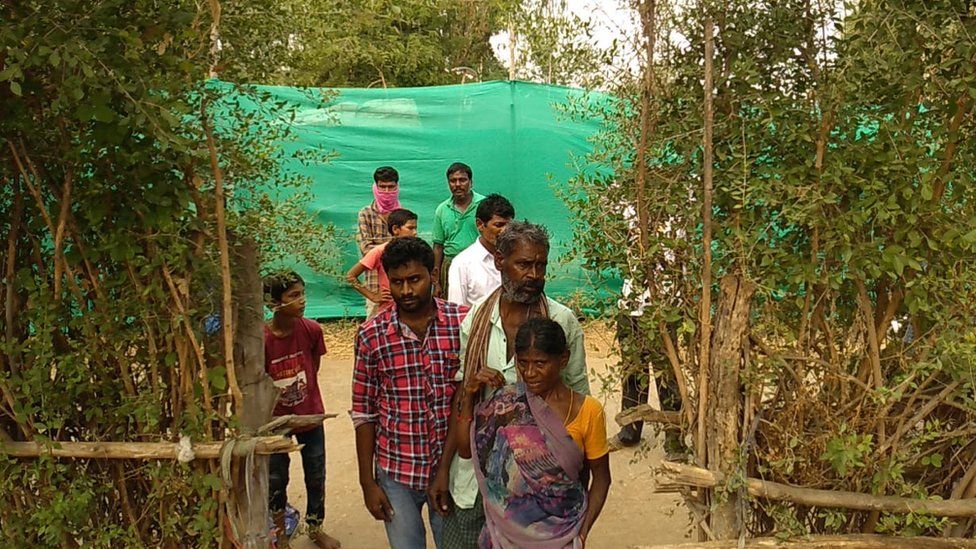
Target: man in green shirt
<point>454,223</point>
<point>488,341</point>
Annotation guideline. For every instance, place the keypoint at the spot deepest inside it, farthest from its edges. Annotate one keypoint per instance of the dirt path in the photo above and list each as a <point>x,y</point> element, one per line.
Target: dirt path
<point>633,514</point>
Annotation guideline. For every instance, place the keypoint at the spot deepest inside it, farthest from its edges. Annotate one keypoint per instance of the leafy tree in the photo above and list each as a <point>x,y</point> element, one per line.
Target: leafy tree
<point>843,190</point>
<point>110,271</point>
<point>359,43</point>
<point>553,45</point>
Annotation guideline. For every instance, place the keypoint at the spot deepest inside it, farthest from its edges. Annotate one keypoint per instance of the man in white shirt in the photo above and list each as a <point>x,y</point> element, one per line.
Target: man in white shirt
<point>473,274</point>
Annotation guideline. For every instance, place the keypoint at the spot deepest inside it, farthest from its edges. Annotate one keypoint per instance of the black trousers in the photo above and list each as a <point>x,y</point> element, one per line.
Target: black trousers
<point>642,355</point>
<point>313,465</point>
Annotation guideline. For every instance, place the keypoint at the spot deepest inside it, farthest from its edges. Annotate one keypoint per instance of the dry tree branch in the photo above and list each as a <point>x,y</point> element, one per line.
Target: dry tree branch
<point>226,295</point>
<point>679,473</point>
<point>705,311</point>
<point>11,269</point>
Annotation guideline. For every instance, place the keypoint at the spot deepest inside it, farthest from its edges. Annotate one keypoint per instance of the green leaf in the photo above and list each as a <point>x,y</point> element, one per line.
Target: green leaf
<point>927,191</point>
<point>15,88</point>
<point>218,378</point>
<point>102,113</point>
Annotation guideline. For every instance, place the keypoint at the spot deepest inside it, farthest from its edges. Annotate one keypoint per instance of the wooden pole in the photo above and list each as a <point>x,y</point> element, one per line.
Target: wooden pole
<point>249,492</point>
<point>214,37</point>
<point>705,306</point>
<point>511,49</point>
<point>688,475</point>
<point>139,450</point>
<point>226,317</point>
<point>648,9</point>
<point>724,415</point>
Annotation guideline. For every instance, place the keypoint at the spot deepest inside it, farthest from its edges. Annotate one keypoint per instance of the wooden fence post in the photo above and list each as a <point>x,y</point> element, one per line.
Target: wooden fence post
<point>724,412</point>
<point>250,474</point>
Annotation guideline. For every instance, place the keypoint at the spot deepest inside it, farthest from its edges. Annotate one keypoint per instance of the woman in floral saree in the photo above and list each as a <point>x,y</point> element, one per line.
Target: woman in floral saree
<point>532,444</point>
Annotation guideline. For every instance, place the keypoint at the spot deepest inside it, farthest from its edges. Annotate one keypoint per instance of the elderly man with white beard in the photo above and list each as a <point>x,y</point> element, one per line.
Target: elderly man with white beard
<point>488,343</point>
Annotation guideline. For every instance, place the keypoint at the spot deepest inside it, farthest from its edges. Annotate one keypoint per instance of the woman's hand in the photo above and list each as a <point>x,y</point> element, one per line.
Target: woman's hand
<point>487,377</point>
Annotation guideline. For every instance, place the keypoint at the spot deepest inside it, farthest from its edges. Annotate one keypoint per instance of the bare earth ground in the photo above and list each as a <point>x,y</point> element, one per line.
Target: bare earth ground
<point>633,514</point>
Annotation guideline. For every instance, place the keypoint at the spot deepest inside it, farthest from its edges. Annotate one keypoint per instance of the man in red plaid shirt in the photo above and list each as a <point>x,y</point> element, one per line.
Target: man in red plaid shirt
<point>402,385</point>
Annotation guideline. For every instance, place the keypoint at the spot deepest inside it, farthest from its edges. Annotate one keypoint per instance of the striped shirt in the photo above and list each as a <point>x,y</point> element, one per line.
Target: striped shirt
<point>404,384</point>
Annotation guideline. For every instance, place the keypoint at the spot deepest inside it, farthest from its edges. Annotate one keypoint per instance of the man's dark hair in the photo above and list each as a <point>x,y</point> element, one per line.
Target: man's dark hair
<point>386,173</point>
<point>492,205</point>
<point>276,284</point>
<point>399,218</point>
<point>459,167</point>
<point>401,251</point>
<point>542,334</point>
<point>519,231</point>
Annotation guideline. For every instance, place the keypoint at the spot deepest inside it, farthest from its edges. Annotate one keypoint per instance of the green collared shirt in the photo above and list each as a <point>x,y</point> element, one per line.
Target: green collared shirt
<point>453,229</point>
<point>464,485</point>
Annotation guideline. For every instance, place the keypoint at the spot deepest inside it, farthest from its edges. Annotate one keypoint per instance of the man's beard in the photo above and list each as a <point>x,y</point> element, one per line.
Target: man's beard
<point>526,292</point>
<point>410,307</point>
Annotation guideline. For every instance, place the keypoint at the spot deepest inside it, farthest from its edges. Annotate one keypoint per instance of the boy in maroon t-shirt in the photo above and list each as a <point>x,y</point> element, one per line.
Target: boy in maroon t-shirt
<point>293,347</point>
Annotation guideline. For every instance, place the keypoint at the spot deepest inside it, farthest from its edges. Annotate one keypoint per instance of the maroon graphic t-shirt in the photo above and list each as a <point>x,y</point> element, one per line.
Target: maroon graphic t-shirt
<point>293,362</point>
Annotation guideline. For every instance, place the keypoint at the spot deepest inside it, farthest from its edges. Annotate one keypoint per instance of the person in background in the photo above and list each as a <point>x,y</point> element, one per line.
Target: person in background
<point>400,223</point>
<point>454,225</point>
<point>403,382</point>
<point>373,229</point>
<point>473,274</point>
<point>488,343</point>
<point>644,362</point>
<point>553,498</point>
<point>293,348</point>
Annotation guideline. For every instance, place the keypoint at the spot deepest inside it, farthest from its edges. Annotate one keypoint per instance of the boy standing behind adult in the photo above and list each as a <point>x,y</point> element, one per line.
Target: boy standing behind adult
<point>454,223</point>
<point>372,230</point>
<point>293,348</point>
<point>401,223</point>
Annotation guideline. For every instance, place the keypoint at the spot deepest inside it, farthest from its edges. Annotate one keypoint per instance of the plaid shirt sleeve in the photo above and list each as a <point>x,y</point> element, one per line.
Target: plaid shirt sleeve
<point>365,385</point>
<point>372,230</point>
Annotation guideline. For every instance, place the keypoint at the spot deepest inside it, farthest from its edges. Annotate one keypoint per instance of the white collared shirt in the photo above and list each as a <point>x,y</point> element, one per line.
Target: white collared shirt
<point>472,275</point>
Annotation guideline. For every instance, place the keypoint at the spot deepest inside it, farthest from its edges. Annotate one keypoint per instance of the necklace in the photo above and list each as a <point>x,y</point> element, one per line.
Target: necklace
<point>572,398</point>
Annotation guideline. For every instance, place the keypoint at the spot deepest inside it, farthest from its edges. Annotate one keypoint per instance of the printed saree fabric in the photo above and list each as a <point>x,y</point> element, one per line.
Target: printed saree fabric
<point>528,471</point>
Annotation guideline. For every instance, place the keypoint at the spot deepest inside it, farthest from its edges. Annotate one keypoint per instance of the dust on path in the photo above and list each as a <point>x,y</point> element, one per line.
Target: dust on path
<point>633,514</point>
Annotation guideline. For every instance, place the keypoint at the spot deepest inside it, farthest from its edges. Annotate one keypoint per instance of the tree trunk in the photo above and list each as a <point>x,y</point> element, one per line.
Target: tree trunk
<point>250,474</point>
<point>724,412</point>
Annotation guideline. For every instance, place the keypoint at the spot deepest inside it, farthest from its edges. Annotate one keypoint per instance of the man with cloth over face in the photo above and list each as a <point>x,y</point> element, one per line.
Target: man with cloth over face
<point>488,343</point>
<point>372,226</point>
<point>402,387</point>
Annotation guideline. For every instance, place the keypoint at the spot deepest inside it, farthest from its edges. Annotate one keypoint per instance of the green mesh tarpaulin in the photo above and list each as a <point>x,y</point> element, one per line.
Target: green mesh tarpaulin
<point>512,134</point>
